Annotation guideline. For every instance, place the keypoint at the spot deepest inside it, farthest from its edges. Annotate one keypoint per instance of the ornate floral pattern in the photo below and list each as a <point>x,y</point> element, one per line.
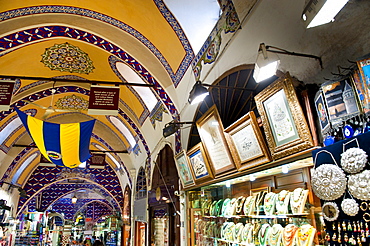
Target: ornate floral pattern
<point>359,184</point>
<point>353,160</point>
<point>72,102</point>
<point>67,58</point>
<point>350,207</point>
<point>328,182</point>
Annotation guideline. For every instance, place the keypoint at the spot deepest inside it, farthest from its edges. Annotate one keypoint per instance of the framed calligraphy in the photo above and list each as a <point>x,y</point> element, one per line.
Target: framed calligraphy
<point>212,135</point>
<point>283,120</point>
<point>246,143</point>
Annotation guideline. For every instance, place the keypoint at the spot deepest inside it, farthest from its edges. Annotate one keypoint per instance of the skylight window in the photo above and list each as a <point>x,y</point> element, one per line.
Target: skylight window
<point>144,92</point>
<point>124,130</point>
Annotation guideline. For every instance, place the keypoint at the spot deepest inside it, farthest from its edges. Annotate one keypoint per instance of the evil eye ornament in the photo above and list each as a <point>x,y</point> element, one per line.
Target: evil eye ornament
<point>348,131</point>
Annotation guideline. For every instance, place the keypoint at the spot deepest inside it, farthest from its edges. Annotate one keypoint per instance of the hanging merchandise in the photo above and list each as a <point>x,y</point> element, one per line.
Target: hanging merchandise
<point>350,207</point>
<point>353,160</point>
<point>328,180</point>
<point>359,184</point>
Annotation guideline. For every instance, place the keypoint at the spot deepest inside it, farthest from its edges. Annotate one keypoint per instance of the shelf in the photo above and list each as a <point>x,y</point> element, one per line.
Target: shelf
<point>278,216</point>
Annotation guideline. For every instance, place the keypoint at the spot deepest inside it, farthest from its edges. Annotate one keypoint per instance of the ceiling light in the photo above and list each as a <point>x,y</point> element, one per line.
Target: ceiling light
<point>74,199</point>
<point>228,184</point>
<point>198,93</point>
<point>267,63</point>
<point>285,168</point>
<point>319,12</point>
<point>252,177</point>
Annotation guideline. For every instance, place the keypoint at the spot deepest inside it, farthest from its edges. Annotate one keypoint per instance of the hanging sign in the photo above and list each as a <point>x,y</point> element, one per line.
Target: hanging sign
<point>97,161</point>
<point>6,92</point>
<point>103,100</point>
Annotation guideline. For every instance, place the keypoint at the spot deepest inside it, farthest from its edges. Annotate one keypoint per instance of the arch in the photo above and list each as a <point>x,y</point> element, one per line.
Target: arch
<point>141,185</point>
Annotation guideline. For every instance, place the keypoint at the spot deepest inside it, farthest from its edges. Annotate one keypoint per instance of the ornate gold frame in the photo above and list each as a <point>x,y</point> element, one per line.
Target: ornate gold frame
<point>242,163</point>
<point>303,138</point>
<point>199,150</point>
<point>211,132</point>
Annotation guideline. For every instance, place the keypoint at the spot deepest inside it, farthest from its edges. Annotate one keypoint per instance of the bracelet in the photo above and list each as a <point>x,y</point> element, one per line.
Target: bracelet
<point>368,217</point>
<point>363,206</point>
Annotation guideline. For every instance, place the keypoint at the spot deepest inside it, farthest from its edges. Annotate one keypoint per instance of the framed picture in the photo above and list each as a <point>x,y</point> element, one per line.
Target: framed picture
<point>361,79</point>
<point>199,163</point>
<point>283,120</point>
<point>246,143</point>
<point>183,168</point>
<point>322,112</point>
<point>340,100</point>
<point>212,135</point>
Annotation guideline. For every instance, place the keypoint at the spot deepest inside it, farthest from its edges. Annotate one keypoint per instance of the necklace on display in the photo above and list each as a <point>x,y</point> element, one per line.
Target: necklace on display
<point>239,204</point>
<point>281,205</point>
<point>263,233</point>
<point>304,235</point>
<point>288,234</point>
<point>275,233</point>
<point>296,200</point>
<point>269,202</point>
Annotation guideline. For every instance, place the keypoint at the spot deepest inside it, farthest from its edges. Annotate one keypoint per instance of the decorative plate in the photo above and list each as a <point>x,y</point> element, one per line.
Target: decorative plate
<point>359,185</point>
<point>353,160</point>
<point>328,182</point>
<point>350,207</point>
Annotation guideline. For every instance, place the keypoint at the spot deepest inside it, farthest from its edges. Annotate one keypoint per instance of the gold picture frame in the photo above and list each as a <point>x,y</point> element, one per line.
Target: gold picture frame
<point>199,164</point>
<point>183,169</point>
<point>211,132</point>
<point>283,120</point>
<point>247,145</point>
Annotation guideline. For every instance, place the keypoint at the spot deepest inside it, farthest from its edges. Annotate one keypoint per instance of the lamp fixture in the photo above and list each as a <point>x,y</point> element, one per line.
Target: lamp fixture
<point>267,64</point>
<point>22,193</point>
<point>199,91</point>
<point>171,127</point>
<point>319,12</point>
<point>74,199</point>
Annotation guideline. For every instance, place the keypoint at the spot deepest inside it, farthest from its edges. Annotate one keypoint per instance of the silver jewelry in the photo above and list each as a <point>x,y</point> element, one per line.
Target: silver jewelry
<point>350,207</point>
<point>353,160</point>
<point>328,182</point>
<point>359,185</point>
<point>330,211</point>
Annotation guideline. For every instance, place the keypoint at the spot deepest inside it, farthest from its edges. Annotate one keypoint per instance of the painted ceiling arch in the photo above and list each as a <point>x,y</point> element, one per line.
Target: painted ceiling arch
<point>113,43</point>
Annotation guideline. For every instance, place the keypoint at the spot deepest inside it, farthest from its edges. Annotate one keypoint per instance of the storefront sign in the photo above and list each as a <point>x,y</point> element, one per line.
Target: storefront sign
<point>103,100</point>
<point>6,91</point>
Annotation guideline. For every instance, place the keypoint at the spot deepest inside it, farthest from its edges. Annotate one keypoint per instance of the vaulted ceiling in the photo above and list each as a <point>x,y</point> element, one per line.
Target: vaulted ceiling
<point>143,42</point>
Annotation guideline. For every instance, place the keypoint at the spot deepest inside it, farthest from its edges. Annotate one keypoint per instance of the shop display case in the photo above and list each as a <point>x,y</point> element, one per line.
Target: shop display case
<point>264,208</point>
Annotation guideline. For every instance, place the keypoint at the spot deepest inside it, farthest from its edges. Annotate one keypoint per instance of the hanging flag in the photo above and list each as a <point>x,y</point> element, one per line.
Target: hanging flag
<point>62,144</point>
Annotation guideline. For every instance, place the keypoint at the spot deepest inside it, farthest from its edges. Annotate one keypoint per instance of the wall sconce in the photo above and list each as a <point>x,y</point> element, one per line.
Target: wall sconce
<point>22,193</point>
<point>172,127</point>
<point>319,12</point>
<point>267,64</point>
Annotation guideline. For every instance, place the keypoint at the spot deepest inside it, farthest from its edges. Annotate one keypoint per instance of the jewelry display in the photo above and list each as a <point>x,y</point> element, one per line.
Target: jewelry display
<point>305,235</point>
<point>263,234</point>
<point>282,202</point>
<point>225,206</point>
<point>259,202</point>
<point>247,233</point>
<point>206,206</point>
<point>353,160</point>
<point>274,235</point>
<point>239,204</point>
<point>238,229</point>
<point>288,234</point>
<point>249,205</point>
<point>328,182</point>
<point>212,208</point>
<point>359,185</point>
<point>363,206</point>
<point>298,200</point>
<point>331,212</point>
<point>269,203</point>
<point>366,217</point>
<point>255,229</point>
<point>350,207</point>
<point>231,207</point>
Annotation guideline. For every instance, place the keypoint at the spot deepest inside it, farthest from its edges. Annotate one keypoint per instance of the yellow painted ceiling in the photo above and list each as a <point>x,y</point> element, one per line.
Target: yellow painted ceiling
<point>142,15</point>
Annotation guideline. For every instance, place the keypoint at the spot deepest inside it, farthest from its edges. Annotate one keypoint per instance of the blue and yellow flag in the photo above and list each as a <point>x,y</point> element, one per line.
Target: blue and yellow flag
<point>62,144</point>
